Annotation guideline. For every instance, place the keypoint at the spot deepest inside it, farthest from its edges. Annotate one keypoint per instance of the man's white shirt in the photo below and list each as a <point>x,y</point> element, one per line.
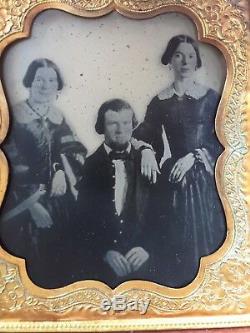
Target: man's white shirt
<point>121,180</point>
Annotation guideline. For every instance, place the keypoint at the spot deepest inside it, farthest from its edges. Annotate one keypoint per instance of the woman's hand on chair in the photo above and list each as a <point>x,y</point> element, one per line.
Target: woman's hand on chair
<point>59,185</point>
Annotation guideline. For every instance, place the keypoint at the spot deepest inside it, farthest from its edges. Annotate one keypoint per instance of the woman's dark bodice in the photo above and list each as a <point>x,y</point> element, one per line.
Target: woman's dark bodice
<point>38,143</point>
<point>188,123</point>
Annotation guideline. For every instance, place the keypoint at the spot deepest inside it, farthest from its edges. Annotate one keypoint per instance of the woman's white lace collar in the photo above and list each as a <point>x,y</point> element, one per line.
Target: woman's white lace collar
<point>24,114</point>
<point>195,90</point>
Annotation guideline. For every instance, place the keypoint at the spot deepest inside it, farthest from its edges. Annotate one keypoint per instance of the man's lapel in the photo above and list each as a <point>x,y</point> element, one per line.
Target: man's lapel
<point>104,170</point>
<point>130,166</point>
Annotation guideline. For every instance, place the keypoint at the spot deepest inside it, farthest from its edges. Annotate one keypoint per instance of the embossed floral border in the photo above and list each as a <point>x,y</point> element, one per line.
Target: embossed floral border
<point>220,295</point>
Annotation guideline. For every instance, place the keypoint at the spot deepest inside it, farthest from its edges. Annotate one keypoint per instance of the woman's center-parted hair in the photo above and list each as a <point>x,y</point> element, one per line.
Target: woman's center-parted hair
<point>41,63</point>
<point>115,105</point>
<point>173,45</point>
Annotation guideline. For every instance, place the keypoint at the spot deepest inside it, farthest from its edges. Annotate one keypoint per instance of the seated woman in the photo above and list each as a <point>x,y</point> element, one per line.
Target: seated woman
<point>45,164</point>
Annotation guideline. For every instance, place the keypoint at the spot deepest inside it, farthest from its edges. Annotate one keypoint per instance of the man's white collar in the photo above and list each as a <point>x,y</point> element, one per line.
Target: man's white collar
<point>108,149</point>
<point>195,90</point>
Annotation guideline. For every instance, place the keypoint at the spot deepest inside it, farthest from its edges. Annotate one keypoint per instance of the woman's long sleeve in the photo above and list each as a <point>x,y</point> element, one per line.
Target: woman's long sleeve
<point>150,130</point>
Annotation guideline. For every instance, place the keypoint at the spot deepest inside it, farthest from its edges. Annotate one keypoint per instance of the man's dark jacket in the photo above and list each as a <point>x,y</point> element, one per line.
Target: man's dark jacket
<point>100,227</point>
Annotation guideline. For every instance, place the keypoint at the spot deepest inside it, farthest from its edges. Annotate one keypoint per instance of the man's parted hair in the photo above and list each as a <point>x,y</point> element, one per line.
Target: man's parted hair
<point>115,105</point>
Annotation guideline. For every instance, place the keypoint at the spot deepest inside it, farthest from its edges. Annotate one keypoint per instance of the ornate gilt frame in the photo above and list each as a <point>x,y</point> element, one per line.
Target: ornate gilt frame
<point>220,295</point>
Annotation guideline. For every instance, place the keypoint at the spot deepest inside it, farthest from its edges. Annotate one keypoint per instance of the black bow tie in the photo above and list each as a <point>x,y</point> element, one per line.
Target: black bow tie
<point>117,155</point>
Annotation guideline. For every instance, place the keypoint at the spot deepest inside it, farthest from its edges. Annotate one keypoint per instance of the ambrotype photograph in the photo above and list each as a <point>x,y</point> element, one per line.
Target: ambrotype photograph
<point>112,150</point>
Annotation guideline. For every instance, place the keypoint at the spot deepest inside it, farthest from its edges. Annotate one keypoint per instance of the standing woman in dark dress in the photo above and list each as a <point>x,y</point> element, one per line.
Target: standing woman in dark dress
<point>185,201</point>
<point>45,164</point>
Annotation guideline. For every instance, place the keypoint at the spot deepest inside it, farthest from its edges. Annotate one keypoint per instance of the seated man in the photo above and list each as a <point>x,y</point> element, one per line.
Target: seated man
<point>112,201</point>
